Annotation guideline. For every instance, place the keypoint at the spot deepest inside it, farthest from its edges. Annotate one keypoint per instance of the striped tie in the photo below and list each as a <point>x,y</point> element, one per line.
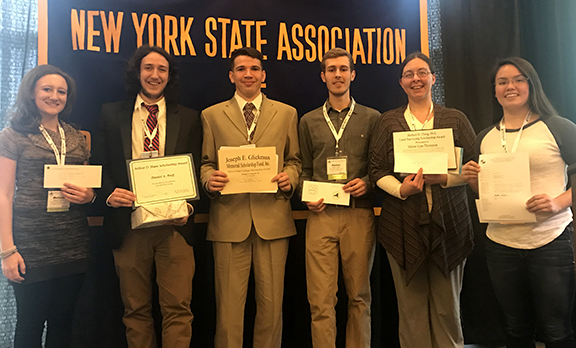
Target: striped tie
<point>152,123</point>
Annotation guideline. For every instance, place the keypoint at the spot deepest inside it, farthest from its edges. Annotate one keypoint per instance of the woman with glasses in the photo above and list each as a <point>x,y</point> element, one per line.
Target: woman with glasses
<point>425,224</point>
<point>43,232</point>
<point>531,264</point>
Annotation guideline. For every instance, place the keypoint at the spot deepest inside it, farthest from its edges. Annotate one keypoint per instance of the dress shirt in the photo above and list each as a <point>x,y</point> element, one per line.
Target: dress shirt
<point>139,118</point>
<point>317,142</point>
<point>257,103</point>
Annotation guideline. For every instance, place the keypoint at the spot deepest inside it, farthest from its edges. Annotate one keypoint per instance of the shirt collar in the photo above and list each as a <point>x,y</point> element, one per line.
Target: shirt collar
<point>161,104</point>
<point>241,101</point>
<point>329,107</point>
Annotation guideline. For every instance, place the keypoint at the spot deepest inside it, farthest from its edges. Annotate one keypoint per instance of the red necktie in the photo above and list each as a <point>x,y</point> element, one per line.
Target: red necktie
<point>152,123</point>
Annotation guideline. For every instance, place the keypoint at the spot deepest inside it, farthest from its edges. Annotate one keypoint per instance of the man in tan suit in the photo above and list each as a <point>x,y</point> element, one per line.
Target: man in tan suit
<point>250,228</point>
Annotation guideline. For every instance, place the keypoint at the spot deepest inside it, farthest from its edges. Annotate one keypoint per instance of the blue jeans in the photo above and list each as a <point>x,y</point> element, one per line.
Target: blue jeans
<point>535,289</point>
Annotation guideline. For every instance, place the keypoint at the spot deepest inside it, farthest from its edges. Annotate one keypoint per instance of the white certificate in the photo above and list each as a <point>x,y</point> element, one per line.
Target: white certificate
<point>313,191</point>
<point>413,147</point>
<point>431,163</point>
<point>81,175</point>
<point>504,188</point>
<point>249,169</point>
<point>163,179</point>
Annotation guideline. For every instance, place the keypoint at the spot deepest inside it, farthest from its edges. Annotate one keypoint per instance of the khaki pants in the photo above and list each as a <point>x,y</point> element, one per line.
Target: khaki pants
<point>173,258</point>
<point>346,233</point>
<point>232,263</point>
<point>429,307</point>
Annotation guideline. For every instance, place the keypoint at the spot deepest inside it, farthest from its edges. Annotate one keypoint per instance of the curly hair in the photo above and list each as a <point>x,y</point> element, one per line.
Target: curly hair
<point>25,117</point>
<point>132,72</point>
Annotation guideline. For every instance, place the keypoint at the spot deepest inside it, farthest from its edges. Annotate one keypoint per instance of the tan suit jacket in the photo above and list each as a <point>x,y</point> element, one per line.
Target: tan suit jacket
<point>231,216</point>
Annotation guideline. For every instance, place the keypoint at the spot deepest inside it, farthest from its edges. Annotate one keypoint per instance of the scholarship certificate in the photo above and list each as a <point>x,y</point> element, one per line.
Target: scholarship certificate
<point>163,179</point>
<point>81,175</point>
<point>313,191</point>
<point>249,169</point>
<point>432,150</point>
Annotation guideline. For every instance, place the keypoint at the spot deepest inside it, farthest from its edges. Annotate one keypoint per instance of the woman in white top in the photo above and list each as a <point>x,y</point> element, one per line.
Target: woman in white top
<point>531,264</point>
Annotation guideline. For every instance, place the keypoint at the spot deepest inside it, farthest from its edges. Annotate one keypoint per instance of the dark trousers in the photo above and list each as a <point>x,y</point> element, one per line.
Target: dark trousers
<point>52,301</point>
<point>535,289</point>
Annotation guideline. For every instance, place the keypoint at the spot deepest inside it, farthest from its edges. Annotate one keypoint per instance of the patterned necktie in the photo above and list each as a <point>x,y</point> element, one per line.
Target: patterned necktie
<point>152,123</point>
<point>249,114</point>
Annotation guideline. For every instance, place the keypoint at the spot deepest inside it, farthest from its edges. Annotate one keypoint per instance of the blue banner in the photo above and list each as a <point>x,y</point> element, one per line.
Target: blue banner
<point>92,40</point>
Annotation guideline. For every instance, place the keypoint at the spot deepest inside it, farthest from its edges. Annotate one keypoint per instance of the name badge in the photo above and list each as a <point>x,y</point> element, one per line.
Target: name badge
<point>57,202</point>
<point>149,154</point>
<point>336,168</point>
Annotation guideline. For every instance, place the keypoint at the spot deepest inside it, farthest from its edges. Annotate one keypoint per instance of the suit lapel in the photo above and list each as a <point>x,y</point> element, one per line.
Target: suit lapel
<point>172,128</point>
<point>232,111</point>
<point>267,113</point>
<point>125,124</point>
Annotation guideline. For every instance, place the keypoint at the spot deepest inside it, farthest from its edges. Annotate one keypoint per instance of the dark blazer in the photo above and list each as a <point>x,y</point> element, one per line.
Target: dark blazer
<point>113,146</point>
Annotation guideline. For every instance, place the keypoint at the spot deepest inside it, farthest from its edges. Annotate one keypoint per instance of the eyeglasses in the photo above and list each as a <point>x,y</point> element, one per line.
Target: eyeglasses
<point>421,74</point>
<point>518,80</point>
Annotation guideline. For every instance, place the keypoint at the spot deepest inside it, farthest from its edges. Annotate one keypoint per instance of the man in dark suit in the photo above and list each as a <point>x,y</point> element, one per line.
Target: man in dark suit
<point>148,125</point>
<point>250,229</point>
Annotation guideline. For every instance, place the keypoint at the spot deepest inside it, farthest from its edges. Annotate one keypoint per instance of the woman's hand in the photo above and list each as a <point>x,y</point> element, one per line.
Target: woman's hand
<point>543,203</point>
<point>77,194</point>
<point>12,266</point>
<point>470,174</point>
<point>412,184</point>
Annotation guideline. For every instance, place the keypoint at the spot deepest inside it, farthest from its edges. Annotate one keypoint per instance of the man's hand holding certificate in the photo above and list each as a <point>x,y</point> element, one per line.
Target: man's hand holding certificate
<point>163,179</point>
<point>161,186</point>
<point>313,191</point>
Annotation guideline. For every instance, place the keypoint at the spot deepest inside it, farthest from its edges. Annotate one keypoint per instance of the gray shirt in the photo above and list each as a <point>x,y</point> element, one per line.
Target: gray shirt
<point>317,142</point>
<point>52,244</point>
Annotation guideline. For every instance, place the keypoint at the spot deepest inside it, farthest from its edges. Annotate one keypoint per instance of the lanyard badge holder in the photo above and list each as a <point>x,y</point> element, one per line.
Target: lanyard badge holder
<point>336,166</point>
<point>56,201</point>
<point>503,140</point>
<point>250,131</point>
<point>150,136</point>
<point>413,118</point>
